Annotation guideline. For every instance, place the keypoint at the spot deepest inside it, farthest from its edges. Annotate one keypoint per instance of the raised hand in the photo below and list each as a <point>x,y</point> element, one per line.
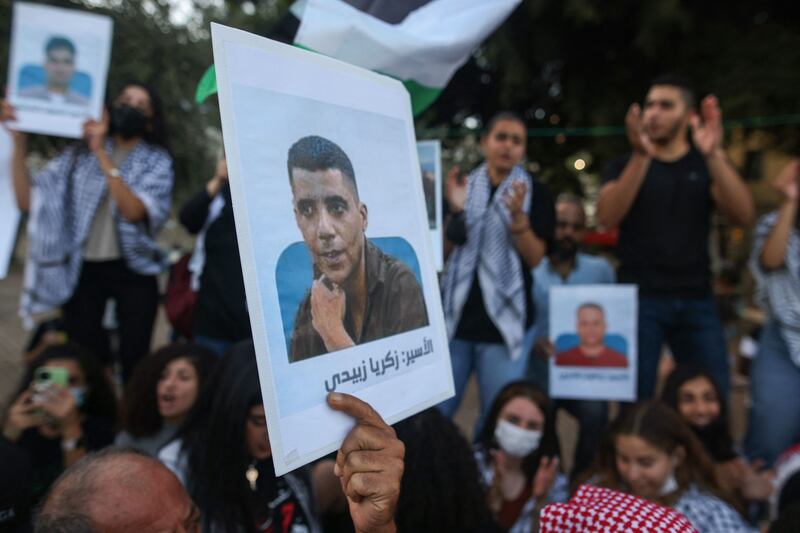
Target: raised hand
<point>9,114</point>
<point>369,465</point>
<point>455,190</point>
<point>515,197</point>
<point>634,127</point>
<point>788,181</point>
<point>328,304</point>
<point>95,132</point>
<point>707,127</point>
<point>545,477</point>
<point>22,414</point>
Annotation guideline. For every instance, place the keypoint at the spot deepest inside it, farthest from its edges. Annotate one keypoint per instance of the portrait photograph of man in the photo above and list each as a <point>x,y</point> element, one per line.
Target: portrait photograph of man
<point>358,292</point>
<point>57,85</point>
<point>592,349</point>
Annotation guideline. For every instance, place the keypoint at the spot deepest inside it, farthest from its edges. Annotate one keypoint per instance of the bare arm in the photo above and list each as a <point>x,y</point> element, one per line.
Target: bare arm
<point>19,172</point>
<point>774,253</point>
<point>617,197</point>
<point>728,189</point>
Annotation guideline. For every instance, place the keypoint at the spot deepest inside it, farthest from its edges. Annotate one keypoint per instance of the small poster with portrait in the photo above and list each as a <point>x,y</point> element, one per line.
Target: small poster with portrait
<point>430,161</point>
<point>593,330</point>
<point>57,68</point>
<point>333,240</point>
<point>9,213</point>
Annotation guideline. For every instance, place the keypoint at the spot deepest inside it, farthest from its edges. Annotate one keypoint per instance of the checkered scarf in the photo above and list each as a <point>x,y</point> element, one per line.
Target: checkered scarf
<point>489,249</point>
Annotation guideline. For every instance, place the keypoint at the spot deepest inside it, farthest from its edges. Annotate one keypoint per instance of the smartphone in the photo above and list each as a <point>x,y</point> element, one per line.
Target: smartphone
<point>45,377</point>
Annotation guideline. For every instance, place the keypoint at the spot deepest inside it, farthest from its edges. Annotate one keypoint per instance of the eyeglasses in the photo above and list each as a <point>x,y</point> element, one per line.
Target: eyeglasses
<point>561,224</point>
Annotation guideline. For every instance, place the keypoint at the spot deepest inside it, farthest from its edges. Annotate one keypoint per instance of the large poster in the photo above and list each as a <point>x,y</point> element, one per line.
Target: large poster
<point>330,216</point>
<point>430,160</point>
<point>9,214</point>
<point>57,68</point>
<point>593,329</point>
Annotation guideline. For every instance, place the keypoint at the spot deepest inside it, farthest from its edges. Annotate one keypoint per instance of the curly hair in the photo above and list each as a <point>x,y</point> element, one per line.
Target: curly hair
<point>140,406</point>
<point>441,487</point>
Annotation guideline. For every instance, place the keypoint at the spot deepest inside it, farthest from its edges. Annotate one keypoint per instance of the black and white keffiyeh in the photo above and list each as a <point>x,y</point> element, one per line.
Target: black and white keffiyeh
<point>779,290</point>
<point>489,249</point>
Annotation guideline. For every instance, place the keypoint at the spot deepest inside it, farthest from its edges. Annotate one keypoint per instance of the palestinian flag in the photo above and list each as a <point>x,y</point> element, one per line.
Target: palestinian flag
<point>420,42</point>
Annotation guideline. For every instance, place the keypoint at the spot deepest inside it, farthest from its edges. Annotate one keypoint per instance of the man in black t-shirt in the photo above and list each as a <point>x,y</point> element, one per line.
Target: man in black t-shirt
<point>661,196</point>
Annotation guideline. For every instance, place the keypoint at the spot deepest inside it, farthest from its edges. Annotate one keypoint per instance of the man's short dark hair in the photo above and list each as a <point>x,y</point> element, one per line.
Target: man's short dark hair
<point>591,305</point>
<point>680,83</point>
<point>59,43</point>
<point>569,198</point>
<point>314,153</point>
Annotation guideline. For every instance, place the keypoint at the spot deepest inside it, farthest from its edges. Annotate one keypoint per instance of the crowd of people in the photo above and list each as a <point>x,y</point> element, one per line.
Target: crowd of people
<point>182,444</point>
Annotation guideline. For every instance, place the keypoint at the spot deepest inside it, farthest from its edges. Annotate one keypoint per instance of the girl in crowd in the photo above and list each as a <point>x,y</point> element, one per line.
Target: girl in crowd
<point>498,228</point>
<point>442,488</point>
<point>95,210</point>
<point>161,393</point>
<point>693,394</point>
<point>57,421</point>
<point>223,457</point>
<point>775,374</point>
<point>652,454</point>
<point>517,454</point>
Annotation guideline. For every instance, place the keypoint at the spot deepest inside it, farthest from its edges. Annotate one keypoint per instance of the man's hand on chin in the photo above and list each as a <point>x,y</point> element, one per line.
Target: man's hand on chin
<point>328,304</point>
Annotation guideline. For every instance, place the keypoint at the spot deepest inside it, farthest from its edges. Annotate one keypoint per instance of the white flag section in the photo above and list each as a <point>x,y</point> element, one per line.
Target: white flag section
<point>430,161</point>
<point>57,69</point>
<point>330,217</point>
<point>428,46</point>
<point>593,329</point>
<point>9,214</point>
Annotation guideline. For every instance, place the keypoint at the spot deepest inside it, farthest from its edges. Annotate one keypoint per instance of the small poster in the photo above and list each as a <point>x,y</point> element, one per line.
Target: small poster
<point>331,221</point>
<point>593,330</point>
<point>57,68</point>
<point>430,160</point>
<point>9,214</point>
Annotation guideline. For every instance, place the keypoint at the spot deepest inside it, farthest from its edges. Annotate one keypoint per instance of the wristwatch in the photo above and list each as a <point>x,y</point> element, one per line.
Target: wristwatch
<point>114,173</point>
<point>69,445</point>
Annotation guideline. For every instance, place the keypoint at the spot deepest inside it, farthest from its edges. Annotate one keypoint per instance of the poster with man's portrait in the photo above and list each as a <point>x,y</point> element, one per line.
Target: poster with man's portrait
<point>430,161</point>
<point>593,331</point>
<point>9,213</point>
<point>57,68</point>
<point>333,237</point>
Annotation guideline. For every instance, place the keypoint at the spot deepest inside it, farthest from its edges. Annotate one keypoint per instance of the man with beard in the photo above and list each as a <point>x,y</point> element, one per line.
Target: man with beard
<point>661,197</point>
<point>565,265</point>
<point>359,294</point>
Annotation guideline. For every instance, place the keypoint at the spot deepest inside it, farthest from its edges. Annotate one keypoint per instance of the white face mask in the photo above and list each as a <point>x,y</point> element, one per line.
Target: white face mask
<point>514,440</point>
<point>79,393</point>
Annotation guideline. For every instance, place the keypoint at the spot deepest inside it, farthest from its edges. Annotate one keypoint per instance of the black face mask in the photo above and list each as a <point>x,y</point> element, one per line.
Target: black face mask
<point>128,122</point>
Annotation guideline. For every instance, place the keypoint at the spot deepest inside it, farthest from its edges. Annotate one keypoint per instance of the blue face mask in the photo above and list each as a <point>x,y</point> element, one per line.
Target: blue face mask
<point>79,394</point>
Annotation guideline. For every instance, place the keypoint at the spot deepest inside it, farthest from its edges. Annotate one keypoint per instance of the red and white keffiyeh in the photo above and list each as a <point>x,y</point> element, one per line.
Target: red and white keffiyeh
<point>600,510</point>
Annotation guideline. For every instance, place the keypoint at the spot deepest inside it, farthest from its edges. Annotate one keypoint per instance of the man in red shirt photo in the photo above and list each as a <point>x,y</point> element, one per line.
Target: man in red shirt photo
<point>591,350</point>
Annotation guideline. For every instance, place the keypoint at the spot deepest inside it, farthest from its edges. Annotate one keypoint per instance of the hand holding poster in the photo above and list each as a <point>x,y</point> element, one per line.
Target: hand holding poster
<point>430,159</point>
<point>331,222</point>
<point>57,68</point>
<point>593,329</point>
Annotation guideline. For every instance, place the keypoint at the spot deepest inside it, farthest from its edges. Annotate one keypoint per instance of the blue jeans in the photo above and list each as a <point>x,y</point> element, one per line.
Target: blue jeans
<point>775,393</point>
<point>693,331</point>
<point>494,368</point>
<point>218,346</point>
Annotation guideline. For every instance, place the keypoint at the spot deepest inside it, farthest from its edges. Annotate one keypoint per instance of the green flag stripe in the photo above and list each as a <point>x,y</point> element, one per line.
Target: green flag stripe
<point>207,85</point>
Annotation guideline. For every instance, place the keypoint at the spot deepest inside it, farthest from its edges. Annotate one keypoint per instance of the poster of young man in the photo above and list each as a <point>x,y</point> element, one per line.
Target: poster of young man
<point>57,68</point>
<point>333,237</point>
<point>9,214</point>
<point>593,328</point>
<point>430,161</point>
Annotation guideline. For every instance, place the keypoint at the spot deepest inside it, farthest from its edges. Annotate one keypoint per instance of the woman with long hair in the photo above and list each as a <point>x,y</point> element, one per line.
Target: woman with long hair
<point>223,457</point>
<point>161,393</point>
<point>94,212</point>
<point>517,452</point>
<point>651,453</point>
<point>65,407</point>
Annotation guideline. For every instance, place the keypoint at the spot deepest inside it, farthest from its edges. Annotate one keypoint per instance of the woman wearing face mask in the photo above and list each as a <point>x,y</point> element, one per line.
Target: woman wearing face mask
<point>94,212</point>
<point>652,454</point>
<point>775,374</point>
<point>692,393</point>
<point>516,452</point>
<point>56,425</point>
<point>223,457</point>
<point>161,394</point>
